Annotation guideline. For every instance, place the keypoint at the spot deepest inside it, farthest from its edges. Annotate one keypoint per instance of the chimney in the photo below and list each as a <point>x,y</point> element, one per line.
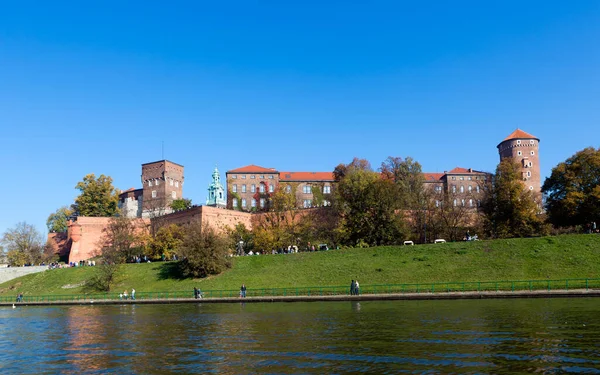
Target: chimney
<point>470,170</point>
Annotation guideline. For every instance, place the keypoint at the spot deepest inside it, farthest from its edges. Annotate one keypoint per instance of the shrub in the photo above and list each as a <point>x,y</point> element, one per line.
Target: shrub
<point>204,252</point>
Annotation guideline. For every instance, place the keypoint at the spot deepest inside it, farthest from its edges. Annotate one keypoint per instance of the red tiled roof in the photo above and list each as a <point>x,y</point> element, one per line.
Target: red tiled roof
<point>459,170</point>
<point>253,169</point>
<point>519,134</point>
<point>432,176</point>
<point>306,176</point>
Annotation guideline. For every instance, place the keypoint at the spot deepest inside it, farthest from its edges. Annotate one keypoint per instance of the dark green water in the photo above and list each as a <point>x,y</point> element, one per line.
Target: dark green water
<point>545,336</point>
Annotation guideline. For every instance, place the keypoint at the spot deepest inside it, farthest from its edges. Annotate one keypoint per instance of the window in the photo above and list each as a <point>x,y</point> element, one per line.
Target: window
<point>454,177</point>
<point>519,142</point>
<point>326,203</point>
<point>270,177</point>
<point>532,142</point>
<point>477,188</point>
<point>437,203</point>
<point>288,189</point>
<point>234,202</point>
<point>253,188</point>
<point>438,188</point>
<point>253,203</point>
<point>530,164</point>
<point>462,189</point>
<point>262,176</point>
<point>306,189</point>
<point>271,188</point>
<point>528,173</point>
<point>150,183</point>
<point>519,153</point>
<point>243,202</point>
<point>462,202</point>
<point>153,193</point>
<point>532,152</point>
<point>173,195</point>
<point>243,177</point>
<point>478,203</point>
<point>454,188</point>
<point>157,182</point>
<point>327,189</point>
<point>531,188</point>
<point>470,188</point>
<point>261,188</point>
<point>253,177</point>
<point>455,203</point>
<point>234,188</point>
<point>470,202</point>
<point>462,178</point>
<point>176,183</point>
<point>262,202</point>
<point>243,188</point>
<point>234,176</point>
<point>170,182</point>
<point>307,203</point>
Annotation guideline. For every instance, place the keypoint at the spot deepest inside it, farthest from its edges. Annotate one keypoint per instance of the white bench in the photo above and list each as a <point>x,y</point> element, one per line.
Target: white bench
<point>440,240</point>
<point>409,243</point>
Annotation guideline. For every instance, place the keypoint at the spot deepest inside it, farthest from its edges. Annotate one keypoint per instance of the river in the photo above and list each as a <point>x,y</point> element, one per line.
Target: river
<point>434,337</point>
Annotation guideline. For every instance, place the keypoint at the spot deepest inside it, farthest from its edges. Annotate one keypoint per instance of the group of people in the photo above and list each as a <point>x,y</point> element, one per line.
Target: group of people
<point>197,293</point>
<point>20,297</point>
<point>82,263</point>
<point>125,296</point>
<point>354,288</point>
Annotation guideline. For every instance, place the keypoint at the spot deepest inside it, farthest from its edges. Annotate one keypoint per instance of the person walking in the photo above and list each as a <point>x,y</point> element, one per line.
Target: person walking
<point>356,288</point>
<point>352,287</point>
<point>243,291</point>
<point>133,294</point>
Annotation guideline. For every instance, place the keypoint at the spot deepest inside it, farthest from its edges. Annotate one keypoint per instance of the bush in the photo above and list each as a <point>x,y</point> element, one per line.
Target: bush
<point>204,252</point>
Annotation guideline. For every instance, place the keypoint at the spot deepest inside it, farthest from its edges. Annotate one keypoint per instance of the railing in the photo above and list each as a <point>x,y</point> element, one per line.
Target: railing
<point>469,286</point>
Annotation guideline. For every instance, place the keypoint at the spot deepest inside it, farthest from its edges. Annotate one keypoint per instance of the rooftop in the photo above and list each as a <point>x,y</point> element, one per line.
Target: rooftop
<point>253,169</point>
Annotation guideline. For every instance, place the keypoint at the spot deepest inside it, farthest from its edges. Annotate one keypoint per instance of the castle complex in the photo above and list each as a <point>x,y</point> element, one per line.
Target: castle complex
<point>249,189</point>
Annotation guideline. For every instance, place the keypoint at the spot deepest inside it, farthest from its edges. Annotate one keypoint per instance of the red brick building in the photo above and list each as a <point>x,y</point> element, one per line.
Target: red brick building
<point>524,149</point>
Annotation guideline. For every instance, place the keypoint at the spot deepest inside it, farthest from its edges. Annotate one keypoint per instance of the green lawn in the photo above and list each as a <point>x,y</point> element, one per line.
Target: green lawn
<point>561,257</point>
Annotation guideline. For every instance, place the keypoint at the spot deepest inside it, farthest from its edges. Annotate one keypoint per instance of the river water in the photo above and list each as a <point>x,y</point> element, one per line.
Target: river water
<point>433,337</point>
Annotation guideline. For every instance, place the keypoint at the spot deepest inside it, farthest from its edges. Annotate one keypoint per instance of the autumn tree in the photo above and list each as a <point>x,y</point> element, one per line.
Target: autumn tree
<point>57,221</point>
<point>510,209</point>
<point>122,239</point>
<point>573,190</point>
<point>22,245</point>
<point>204,252</point>
<point>243,234</point>
<point>166,241</point>
<point>98,197</point>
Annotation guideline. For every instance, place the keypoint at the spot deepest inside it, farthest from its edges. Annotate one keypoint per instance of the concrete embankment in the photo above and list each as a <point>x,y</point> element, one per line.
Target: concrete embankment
<point>9,273</point>
<point>368,297</point>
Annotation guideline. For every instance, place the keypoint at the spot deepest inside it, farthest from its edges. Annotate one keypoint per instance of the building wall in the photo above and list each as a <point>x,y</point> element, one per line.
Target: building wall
<point>249,179</point>
<point>217,218</point>
<point>526,153</point>
<point>162,182</point>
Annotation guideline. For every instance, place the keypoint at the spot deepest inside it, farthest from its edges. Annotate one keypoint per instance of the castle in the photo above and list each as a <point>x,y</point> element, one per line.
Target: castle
<point>248,188</point>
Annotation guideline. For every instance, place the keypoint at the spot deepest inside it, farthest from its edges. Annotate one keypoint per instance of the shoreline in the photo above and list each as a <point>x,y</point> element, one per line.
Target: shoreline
<point>426,296</point>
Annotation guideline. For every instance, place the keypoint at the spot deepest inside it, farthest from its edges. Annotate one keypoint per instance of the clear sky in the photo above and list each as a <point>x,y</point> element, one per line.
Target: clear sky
<point>98,86</point>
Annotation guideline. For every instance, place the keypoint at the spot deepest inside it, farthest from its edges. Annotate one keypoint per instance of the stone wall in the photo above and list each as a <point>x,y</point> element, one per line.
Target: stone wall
<point>9,273</point>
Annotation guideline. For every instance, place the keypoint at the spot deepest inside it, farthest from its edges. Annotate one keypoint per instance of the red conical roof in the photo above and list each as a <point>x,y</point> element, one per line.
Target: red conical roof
<point>519,134</point>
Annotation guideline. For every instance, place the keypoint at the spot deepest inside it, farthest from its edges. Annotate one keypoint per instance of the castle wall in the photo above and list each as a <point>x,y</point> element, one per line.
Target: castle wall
<point>217,218</point>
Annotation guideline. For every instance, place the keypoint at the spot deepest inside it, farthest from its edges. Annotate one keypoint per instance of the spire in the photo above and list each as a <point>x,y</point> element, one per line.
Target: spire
<point>216,192</point>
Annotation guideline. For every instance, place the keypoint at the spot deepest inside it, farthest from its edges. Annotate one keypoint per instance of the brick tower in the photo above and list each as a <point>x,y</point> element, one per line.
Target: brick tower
<point>524,149</point>
<point>162,182</point>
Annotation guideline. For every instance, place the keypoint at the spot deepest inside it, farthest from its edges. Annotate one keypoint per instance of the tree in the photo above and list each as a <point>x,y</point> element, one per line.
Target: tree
<point>511,209</point>
<point>57,222</point>
<point>122,239</point>
<point>166,241</point>
<point>181,204</point>
<point>573,190</point>
<point>368,206</point>
<point>98,197</point>
<point>22,245</point>
<point>243,234</point>
<point>204,252</point>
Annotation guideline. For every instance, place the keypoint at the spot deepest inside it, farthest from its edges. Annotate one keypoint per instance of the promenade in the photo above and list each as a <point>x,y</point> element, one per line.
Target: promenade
<point>571,293</point>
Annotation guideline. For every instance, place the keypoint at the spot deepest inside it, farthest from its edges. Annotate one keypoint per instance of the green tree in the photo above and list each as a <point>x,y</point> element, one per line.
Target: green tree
<point>57,221</point>
<point>204,252</point>
<point>240,233</point>
<point>166,241</point>
<point>368,206</point>
<point>22,245</point>
<point>573,190</point>
<point>181,204</point>
<point>511,209</point>
<point>98,197</point>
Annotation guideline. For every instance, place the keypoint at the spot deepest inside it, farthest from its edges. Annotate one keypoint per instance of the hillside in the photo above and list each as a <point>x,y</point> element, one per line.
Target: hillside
<point>560,257</point>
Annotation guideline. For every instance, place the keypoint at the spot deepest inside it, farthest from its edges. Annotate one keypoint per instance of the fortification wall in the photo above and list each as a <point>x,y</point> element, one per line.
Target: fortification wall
<point>9,273</point>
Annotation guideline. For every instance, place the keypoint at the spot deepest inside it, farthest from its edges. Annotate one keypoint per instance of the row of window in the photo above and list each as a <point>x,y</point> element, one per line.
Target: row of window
<point>173,194</point>
<point>306,189</point>
<point>252,176</point>
<point>531,142</point>
<point>462,203</point>
<point>468,178</point>
<point>519,153</point>
<point>462,188</point>
<point>157,182</point>
<point>307,203</point>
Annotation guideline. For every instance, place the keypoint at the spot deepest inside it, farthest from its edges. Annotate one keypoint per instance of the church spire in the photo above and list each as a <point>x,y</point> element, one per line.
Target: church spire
<point>216,192</point>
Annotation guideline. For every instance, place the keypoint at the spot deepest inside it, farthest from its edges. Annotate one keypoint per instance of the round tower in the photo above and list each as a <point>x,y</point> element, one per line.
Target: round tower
<point>524,149</point>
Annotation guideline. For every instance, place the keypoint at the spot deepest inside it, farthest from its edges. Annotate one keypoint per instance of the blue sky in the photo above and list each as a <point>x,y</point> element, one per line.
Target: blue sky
<point>97,87</point>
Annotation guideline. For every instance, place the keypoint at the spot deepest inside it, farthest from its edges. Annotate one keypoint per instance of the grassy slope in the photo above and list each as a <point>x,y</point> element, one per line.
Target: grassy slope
<point>571,256</point>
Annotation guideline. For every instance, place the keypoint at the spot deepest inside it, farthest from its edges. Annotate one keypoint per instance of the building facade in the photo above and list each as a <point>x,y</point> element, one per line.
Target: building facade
<point>162,182</point>
<point>249,188</point>
<point>460,186</point>
<point>524,149</point>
